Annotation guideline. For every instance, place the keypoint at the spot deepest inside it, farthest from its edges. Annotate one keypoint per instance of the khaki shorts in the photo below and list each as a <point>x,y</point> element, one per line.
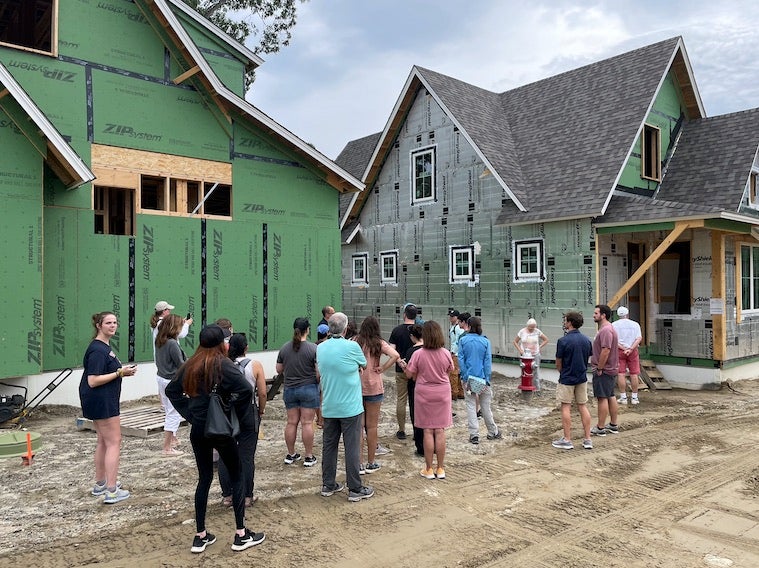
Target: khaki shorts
<point>567,394</point>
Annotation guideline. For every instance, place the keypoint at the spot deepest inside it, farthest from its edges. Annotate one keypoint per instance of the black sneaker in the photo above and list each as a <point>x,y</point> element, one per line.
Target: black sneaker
<point>496,436</point>
<point>250,539</point>
<point>400,434</point>
<point>199,544</point>
<point>309,461</point>
<point>290,458</point>
<point>474,439</point>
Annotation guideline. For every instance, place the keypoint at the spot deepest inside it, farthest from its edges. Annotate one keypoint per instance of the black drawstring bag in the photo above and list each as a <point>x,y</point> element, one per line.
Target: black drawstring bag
<point>221,419</point>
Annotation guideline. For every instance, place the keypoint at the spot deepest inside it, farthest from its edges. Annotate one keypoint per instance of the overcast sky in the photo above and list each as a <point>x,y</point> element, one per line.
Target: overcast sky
<point>341,75</point>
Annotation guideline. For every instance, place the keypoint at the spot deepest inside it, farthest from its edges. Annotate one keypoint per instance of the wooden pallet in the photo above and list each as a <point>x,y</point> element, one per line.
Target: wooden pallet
<point>139,422</point>
<point>653,376</point>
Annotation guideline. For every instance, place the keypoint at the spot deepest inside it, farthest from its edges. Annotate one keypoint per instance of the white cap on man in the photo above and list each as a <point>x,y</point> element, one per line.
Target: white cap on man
<point>622,311</point>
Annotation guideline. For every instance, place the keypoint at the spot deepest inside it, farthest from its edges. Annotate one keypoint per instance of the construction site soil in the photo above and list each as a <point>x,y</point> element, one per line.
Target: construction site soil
<point>677,487</point>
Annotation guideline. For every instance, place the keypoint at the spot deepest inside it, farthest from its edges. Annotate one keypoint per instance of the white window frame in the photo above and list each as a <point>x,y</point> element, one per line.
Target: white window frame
<point>392,256</point>
<point>432,151</point>
<point>358,279</point>
<point>453,252</point>
<point>753,189</point>
<point>752,279</point>
<point>524,245</point>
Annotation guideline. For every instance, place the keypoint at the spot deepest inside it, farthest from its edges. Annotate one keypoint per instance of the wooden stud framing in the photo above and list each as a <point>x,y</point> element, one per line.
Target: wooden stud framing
<point>186,75</point>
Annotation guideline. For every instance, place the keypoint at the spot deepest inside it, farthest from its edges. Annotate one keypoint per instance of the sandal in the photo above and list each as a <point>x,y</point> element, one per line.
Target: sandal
<point>250,500</point>
<point>226,501</point>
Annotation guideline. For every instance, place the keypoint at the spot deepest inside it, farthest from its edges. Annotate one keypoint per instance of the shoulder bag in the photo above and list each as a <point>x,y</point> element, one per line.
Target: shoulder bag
<point>221,418</point>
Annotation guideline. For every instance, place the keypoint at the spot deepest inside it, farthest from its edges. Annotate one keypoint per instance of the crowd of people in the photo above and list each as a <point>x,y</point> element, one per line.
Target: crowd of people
<point>337,384</point>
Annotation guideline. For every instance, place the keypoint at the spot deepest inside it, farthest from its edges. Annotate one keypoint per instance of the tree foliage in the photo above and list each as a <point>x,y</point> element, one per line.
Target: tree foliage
<point>269,21</point>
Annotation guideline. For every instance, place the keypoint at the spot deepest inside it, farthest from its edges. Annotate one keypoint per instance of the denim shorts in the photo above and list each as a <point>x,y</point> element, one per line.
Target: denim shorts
<point>304,396</point>
<point>374,397</point>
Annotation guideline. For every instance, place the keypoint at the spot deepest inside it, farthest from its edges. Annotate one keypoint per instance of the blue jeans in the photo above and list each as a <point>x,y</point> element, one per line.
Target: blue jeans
<point>350,428</point>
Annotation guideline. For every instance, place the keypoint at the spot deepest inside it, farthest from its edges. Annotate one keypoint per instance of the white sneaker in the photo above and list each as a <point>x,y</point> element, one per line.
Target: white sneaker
<point>622,399</point>
<point>635,400</point>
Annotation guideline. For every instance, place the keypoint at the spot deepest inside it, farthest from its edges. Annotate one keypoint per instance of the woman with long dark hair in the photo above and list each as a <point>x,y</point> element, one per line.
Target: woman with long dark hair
<point>168,358</point>
<point>209,366</point>
<point>99,392</point>
<point>372,387</point>
<point>297,362</point>
<point>247,441</point>
<point>429,367</point>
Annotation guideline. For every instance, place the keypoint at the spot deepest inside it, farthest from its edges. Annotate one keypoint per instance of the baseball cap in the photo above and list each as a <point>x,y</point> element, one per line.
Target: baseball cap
<point>212,335</point>
<point>453,313</point>
<point>323,329</point>
<point>163,305</point>
<point>622,311</point>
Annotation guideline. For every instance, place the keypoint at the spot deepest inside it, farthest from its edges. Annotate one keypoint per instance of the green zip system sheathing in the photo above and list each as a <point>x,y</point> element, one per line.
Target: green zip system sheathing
<point>276,257</point>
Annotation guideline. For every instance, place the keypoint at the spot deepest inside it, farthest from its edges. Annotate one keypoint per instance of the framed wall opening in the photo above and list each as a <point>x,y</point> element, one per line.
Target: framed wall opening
<point>673,279</point>
<point>29,24</point>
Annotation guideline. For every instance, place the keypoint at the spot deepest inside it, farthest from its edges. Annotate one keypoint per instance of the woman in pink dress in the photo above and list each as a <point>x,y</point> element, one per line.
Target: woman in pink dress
<point>429,367</point>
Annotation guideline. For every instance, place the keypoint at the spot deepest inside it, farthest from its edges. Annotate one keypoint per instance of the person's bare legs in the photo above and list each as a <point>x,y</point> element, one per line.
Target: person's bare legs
<point>613,410</point>
<point>429,447</point>
<point>168,441</point>
<point>306,430</point>
<point>439,436</point>
<point>585,419</point>
<point>291,428</point>
<point>108,450</point>
<point>371,417</point>
<point>566,420</point>
<point>634,383</point>
<point>622,384</point>
<point>603,411</point>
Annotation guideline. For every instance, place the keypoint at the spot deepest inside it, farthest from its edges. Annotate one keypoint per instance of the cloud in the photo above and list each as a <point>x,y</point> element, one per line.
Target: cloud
<point>348,61</point>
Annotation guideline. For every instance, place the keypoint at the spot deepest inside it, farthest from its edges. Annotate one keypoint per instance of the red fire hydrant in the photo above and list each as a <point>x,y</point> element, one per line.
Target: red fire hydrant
<point>527,362</point>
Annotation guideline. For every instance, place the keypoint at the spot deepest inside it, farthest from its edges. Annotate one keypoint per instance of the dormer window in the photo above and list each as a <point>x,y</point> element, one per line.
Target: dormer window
<point>29,24</point>
<point>423,175</point>
<point>752,197</point>
<point>650,153</point>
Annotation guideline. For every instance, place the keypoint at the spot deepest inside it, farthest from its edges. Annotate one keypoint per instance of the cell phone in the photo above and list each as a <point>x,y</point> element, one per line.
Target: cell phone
<point>189,315</point>
<point>132,366</point>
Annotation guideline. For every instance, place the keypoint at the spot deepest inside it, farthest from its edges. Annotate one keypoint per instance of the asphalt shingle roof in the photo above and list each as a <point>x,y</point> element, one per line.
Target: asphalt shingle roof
<point>560,143</point>
<point>712,161</point>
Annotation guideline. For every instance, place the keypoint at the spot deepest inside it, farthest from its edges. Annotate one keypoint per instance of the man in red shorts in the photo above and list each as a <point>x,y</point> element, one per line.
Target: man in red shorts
<point>628,332</point>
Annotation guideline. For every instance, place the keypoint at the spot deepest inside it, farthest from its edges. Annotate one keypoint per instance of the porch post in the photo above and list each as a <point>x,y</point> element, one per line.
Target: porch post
<point>719,332</point>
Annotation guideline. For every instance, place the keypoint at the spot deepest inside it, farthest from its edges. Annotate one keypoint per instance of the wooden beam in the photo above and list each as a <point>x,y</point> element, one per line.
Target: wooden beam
<point>3,93</point>
<point>680,227</point>
<point>186,75</point>
<point>719,332</point>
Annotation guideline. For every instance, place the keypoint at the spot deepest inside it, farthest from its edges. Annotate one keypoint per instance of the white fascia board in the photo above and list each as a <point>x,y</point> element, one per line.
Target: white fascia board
<point>244,106</point>
<point>76,163</point>
<point>482,156</point>
<point>686,59</point>
<point>353,234</point>
<point>230,41</point>
<point>344,220</point>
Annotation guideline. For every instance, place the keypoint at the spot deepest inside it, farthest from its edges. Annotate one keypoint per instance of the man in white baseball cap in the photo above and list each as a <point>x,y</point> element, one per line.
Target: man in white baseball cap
<point>628,332</point>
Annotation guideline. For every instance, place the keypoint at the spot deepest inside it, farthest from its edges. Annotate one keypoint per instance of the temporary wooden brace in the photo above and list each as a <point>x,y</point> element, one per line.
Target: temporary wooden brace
<point>680,227</point>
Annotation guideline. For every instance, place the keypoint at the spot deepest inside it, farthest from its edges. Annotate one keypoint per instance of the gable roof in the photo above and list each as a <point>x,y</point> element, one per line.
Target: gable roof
<point>60,156</point>
<point>252,59</point>
<point>228,101</point>
<point>353,159</point>
<point>713,160</point>
<point>575,131</point>
<point>556,146</point>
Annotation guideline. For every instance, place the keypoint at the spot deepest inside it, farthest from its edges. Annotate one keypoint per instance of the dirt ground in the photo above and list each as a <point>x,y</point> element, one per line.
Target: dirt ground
<point>678,487</point>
